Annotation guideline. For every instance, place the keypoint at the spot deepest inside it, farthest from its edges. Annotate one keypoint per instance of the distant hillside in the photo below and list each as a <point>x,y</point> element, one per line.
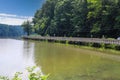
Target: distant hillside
<point>10,31</point>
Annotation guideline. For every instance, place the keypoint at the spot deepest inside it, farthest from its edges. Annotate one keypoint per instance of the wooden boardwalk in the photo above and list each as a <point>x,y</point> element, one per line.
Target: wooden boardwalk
<point>75,39</point>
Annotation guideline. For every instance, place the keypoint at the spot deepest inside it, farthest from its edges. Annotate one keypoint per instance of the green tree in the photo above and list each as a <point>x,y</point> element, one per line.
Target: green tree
<point>27,26</point>
<point>78,18</point>
<point>63,17</point>
<point>43,18</point>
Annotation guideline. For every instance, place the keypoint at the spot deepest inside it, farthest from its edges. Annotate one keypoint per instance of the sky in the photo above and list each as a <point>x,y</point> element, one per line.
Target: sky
<point>15,12</point>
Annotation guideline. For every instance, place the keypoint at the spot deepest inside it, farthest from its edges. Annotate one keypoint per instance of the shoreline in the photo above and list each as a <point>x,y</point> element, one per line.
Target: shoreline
<point>88,46</point>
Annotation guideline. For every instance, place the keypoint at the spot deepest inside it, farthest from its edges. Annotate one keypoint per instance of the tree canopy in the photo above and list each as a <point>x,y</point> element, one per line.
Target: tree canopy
<point>78,18</point>
<point>27,27</point>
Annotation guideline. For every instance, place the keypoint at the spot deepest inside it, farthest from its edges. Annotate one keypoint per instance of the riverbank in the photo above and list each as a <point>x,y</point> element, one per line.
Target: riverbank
<point>108,51</point>
<point>101,47</point>
<point>75,39</point>
<point>102,50</point>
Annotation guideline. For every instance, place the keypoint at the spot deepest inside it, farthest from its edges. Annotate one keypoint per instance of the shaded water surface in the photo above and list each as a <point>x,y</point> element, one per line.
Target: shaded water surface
<point>60,61</point>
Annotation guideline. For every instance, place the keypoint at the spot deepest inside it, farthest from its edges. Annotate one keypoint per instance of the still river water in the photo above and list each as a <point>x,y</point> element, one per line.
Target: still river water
<point>60,61</point>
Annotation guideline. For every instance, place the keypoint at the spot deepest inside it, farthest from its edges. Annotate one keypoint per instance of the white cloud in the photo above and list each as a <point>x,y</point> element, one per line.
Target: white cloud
<point>7,15</point>
<point>11,19</point>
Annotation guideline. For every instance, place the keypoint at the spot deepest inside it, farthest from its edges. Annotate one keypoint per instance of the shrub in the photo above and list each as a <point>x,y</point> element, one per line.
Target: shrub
<point>32,75</point>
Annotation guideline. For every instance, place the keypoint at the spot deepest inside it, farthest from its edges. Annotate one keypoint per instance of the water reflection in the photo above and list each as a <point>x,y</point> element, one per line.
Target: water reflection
<point>15,55</point>
<point>28,53</point>
<point>69,63</point>
<point>62,62</point>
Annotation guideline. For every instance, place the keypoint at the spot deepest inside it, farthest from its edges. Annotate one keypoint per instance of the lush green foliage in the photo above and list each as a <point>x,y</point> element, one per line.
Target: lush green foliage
<point>27,26</point>
<point>10,31</point>
<point>78,18</point>
<point>33,75</point>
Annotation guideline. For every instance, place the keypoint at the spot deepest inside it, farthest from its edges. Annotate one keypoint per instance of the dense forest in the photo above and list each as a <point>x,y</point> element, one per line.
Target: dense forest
<point>78,18</point>
<point>10,31</point>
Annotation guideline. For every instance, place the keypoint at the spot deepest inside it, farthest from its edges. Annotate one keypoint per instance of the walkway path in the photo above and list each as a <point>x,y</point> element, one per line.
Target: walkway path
<point>75,39</point>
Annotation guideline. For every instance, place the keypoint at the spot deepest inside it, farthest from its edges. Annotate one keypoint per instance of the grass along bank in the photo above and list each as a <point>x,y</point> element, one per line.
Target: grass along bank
<point>102,47</point>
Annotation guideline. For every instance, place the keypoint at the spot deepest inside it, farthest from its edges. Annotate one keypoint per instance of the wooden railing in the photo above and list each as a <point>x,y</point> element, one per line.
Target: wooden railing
<point>75,39</point>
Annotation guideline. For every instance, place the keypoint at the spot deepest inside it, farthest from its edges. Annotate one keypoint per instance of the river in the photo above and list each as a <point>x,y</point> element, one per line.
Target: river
<point>62,62</point>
